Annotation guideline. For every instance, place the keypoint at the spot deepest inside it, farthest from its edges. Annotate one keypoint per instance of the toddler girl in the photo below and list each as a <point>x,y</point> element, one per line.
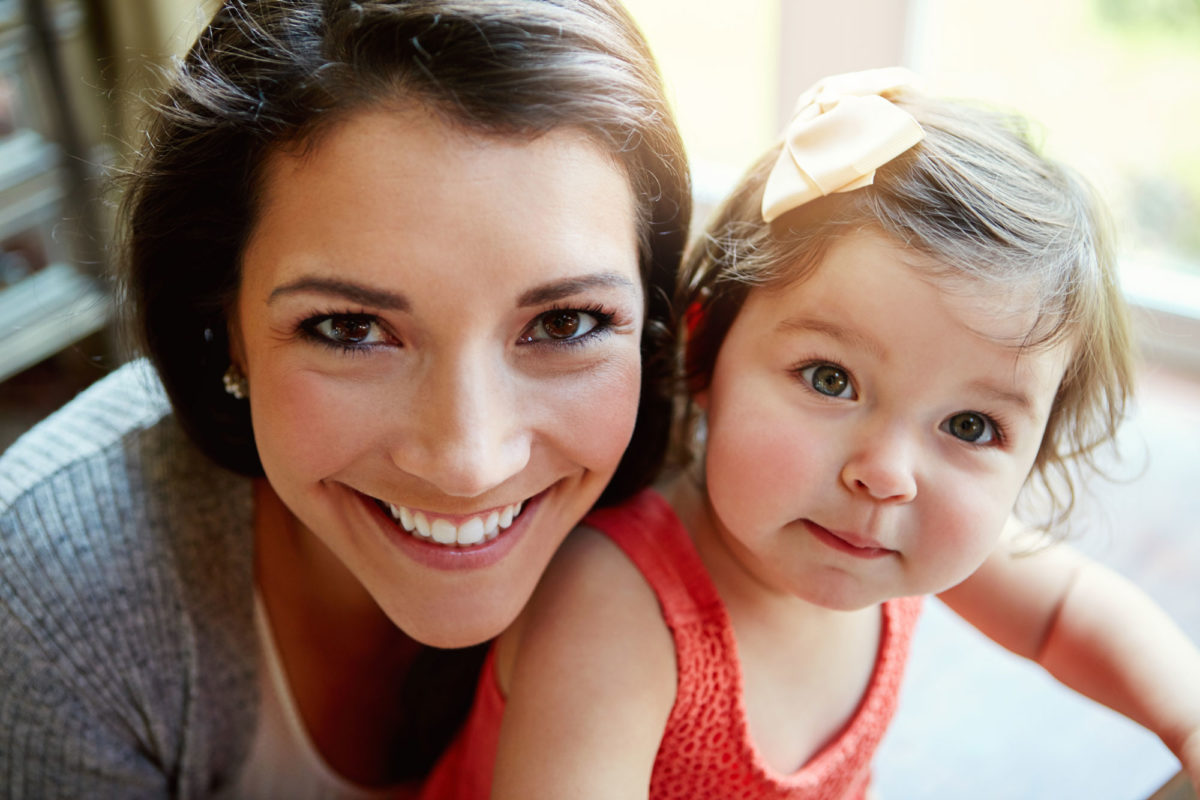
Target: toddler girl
<point>901,317</point>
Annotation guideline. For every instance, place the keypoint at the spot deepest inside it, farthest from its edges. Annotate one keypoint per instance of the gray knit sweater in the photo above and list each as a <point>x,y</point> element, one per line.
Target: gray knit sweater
<point>127,641</point>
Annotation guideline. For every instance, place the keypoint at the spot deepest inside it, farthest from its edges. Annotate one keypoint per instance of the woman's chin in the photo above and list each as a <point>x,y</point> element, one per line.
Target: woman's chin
<point>458,627</point>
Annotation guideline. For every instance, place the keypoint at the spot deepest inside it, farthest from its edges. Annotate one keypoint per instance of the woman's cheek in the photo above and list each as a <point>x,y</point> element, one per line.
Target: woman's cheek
<point>603,413</point>
<point>311,423</point>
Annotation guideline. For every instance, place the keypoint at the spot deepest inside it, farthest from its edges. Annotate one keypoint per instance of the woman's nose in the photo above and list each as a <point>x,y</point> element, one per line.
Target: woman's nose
<point>467,433</point>
<point>882,465</point>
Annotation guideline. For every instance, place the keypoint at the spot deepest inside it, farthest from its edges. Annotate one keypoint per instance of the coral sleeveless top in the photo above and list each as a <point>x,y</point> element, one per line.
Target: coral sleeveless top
<point>706,751</point>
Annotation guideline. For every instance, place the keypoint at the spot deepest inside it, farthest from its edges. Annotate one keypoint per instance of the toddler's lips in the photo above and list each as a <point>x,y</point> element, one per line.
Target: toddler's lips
<point>849,543</point>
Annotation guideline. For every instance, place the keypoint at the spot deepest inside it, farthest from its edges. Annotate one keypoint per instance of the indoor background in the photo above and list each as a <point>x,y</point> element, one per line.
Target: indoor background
<point>1113,87</point>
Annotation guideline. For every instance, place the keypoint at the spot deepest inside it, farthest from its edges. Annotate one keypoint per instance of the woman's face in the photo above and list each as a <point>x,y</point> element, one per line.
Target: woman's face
<point>441,333</point>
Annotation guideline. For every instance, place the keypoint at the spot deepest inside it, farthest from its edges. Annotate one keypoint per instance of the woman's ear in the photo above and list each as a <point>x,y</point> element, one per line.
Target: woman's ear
<point>237,348</point>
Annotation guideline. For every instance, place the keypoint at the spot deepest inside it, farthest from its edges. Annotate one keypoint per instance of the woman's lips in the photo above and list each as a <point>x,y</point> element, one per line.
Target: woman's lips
<point>456,555</point>
<point>846,542</point>
<point>454,531</point>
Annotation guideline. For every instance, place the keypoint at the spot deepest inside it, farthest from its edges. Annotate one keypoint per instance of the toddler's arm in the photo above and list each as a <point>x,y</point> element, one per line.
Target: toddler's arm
<point>1096,632</point>
<point>591,681</point>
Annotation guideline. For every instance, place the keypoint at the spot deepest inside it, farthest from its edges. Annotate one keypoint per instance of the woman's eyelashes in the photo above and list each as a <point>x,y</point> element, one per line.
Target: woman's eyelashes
<point>567,326</point>
<point>347,332</point>
<point>357,332</point>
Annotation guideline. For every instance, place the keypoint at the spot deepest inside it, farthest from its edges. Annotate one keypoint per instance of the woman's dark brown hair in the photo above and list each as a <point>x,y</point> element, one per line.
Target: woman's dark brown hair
<point>269,73</point>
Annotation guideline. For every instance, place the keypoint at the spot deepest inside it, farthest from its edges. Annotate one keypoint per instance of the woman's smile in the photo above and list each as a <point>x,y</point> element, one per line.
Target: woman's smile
<point>479,540</point>
<point>451,531</point>
<point>464,375</point>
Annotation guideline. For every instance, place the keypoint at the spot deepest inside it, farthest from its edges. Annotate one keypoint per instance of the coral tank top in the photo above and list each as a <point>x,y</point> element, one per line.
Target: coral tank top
<point>706,751</point>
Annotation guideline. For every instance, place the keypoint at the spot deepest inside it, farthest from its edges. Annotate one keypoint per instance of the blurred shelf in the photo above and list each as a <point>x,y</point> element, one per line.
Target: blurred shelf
<point>50,244</point>
<point>45,312</point>
<point>24,155</point>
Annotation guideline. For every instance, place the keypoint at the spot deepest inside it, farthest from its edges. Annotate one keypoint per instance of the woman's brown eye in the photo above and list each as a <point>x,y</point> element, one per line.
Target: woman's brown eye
<point>346,330</point>
<point>561,324</point>
<point>566,325</point>
<point>349,329</point>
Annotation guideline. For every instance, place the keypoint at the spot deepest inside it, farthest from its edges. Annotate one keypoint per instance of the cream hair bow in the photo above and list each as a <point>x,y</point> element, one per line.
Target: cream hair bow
<point>844,128</point>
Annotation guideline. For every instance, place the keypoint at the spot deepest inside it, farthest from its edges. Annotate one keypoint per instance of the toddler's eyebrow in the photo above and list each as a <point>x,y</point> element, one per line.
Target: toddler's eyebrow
<point>354,292</point>
<point>1011,397</point>
<point>849,336</point>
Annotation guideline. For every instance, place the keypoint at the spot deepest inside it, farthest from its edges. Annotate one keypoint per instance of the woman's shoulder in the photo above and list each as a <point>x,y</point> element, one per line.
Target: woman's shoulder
<point>115,447</point>
<point>112,478</point>
<point>115,408</point>
<point>126,602</point>
<point>109,491</point>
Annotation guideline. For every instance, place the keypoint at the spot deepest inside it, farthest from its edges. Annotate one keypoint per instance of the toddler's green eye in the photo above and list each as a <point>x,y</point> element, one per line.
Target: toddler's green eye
<point>970,427</point>
<point>829,379</point>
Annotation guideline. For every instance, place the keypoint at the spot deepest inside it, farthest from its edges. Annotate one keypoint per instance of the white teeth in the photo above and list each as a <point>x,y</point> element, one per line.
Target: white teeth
<point>472,531</point>
<point>443,532</point>
<point>402,515</point>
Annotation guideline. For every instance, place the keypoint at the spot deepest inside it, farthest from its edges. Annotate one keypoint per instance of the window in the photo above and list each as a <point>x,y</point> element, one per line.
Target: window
<point>1114,85</point>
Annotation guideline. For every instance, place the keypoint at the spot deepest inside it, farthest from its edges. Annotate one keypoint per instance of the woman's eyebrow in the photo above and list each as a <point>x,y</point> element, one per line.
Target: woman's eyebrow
<point>558,290</point>
<point>354,292</point>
